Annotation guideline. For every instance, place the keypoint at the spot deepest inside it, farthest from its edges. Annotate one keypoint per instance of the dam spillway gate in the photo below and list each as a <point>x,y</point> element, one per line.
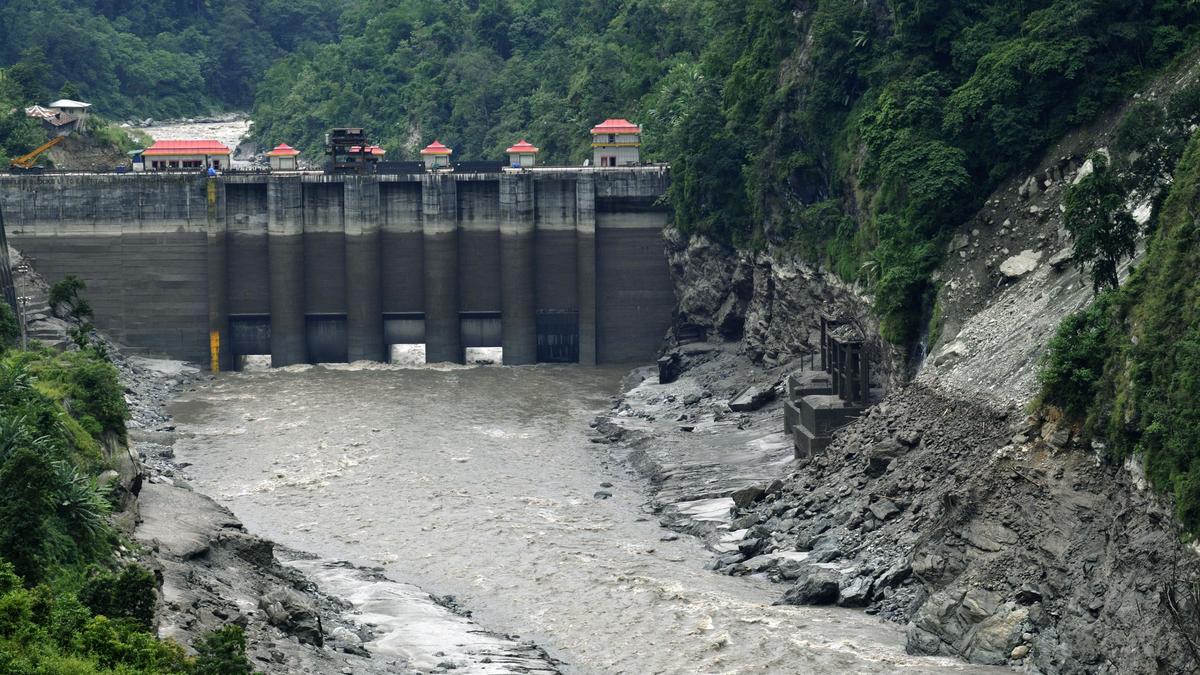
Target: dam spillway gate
<point>563,265</point>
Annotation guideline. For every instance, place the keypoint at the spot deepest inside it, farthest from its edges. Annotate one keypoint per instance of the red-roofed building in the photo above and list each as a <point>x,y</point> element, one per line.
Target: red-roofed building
<point>616,142</point>
<point>167,155</point>
<point>283,158</point>
<point>436,156</point>
<point>522,155</point>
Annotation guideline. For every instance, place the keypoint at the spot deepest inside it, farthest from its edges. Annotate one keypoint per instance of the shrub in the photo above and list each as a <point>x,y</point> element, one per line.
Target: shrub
<point>29,483</point>
<point>127,594</point>
<point>1103,230</point>
<point>222,652</point>
<point>1074,361</point>
<point>96,391</point>
<point>53,512</point>
<point>66,299</point>
<point>120,643</point>
<point>10,328</point>
<point>1184,105</point>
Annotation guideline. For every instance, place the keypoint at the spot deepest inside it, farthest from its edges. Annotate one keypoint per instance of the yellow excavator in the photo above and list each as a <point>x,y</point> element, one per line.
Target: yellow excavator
<point>29,162</point>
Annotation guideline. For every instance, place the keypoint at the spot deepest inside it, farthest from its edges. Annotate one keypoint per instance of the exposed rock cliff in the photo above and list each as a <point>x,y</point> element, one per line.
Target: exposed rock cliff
<point>769,301</point>
<point>994,536</point>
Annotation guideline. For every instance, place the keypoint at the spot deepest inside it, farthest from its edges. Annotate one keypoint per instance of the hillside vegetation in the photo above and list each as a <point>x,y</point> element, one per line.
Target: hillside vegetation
<point>69,603</point>
<point>859,132</point>
<point>1126,370</point>
<point>154,58</point>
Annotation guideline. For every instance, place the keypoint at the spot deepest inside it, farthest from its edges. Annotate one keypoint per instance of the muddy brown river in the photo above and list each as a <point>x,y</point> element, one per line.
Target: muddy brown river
<point>480,482</point>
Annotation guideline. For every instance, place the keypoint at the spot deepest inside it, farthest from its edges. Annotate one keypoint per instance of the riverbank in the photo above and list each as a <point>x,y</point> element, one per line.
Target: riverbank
<point>482,483</point>
<point>984,532</point>
<point>212,570</point>
<point>301,613</point>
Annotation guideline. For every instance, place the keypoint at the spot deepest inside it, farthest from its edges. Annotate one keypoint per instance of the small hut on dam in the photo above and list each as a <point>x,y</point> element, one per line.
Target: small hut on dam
<point>616,142</point>
<point>436,156</point>
<point>283,157</point>
<point>523,155</point>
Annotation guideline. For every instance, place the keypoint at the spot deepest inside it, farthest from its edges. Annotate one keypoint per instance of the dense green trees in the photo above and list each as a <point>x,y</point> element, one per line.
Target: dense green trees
<point>781,120</point>
<point>860,133</point>
<point>144,58</point>
<point>66,605</point>
<point>1102,229</point>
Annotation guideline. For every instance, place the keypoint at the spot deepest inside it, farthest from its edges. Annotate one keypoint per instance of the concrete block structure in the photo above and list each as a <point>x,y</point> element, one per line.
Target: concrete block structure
<point>436,157</point>
<point>819,402</point>
<point>552,264</point>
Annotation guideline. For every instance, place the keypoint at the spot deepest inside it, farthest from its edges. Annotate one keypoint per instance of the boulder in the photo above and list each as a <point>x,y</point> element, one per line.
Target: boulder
<point>730,319</point>
<point>817,587</point>
<point>894,574</point>
<point>884,509</point>
<point>746,496</point>
<point>950,353</point>
<point>290,612</point>
<point>993,640</point>
<point>881,454</point>
<point>752,398</point>
<point>1059,260</point>
<point>1020,264</point>
<point>669,368</point>
<point>855,592</point>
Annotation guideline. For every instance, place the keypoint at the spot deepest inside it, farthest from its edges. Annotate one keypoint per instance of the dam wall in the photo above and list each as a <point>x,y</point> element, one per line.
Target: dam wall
<point>552,264</point>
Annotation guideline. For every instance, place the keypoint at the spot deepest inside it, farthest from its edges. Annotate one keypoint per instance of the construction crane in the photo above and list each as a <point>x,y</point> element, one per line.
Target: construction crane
<point>26,162</point>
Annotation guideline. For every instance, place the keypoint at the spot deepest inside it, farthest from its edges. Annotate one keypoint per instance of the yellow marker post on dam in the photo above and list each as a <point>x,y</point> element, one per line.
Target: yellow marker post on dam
<point>214,346</point>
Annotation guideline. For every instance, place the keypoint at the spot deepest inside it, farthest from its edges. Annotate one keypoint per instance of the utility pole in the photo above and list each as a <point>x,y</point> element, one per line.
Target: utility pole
<point>22,271</point>
<point>23,302</point>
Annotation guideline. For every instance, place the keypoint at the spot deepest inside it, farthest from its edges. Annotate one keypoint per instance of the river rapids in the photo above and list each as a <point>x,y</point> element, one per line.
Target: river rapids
<point>481,483</point>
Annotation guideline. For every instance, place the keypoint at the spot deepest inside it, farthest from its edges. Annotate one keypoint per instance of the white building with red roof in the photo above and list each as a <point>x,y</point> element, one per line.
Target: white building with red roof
<point>616,142</point>
<point>436,156</point>
<point>283,158</point>
<point>179,155</point>
<point>522,155</point>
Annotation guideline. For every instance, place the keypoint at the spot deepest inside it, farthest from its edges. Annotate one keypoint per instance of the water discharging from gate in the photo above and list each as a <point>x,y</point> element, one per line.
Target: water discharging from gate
<point>479,482</point>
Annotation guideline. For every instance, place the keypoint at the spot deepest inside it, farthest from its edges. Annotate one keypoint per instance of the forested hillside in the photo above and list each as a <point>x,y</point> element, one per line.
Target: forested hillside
<point>860,132</point>
<point>154,58</point>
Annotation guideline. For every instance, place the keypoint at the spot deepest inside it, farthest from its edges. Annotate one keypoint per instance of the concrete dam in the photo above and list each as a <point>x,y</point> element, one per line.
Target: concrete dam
<point>551,264</point>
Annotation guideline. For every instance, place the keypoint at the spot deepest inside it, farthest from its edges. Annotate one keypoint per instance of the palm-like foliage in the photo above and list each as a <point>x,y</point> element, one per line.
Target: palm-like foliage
<point>82,503</point>
<point>17,432</point>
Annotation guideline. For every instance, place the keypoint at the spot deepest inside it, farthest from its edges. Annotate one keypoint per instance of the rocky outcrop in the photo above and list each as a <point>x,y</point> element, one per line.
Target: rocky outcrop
<point>992,536</point>
<point>769,301</point>
<point>987,533</point>
<point>213,572</point>
<point>1008,278</point>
